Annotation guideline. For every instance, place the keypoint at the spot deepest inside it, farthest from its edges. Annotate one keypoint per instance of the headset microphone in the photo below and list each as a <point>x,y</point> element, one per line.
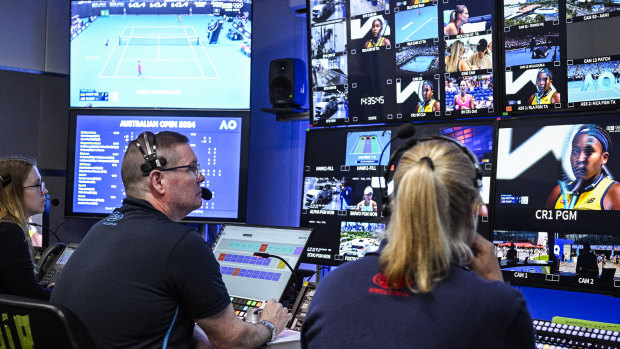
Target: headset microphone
<point>206,194</point>
<point>404,131</point>
<point>53,201</point>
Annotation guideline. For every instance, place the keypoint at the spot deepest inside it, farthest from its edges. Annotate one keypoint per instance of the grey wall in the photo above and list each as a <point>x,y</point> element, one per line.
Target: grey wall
<point>34,35</point>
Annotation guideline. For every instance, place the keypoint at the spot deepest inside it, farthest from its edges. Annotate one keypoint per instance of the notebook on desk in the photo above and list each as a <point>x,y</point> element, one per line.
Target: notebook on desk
<point>252,280</point>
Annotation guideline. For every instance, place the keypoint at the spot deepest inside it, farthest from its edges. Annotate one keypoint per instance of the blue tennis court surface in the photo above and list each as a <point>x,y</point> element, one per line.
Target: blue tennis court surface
<point>364,148</point>
<point>418,64</point>
<point>416,24</point>
<point>575,94</point>
<point>524,56</point>
<point>179,69</point>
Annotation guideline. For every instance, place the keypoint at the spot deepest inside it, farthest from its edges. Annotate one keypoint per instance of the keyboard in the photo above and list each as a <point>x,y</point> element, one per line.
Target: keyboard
<point>550,335</point>
<point>241,305</point>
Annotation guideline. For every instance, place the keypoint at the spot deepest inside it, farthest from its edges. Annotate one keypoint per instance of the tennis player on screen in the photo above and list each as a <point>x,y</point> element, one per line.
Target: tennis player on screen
<point>377,32</point>
<point>545,92</point>
<point>140,69</point>
<point>593,188</point>
<point>428,103</point>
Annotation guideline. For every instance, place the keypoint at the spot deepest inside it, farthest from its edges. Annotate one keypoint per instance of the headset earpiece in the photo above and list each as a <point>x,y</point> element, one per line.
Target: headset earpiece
<point>152,161</point>
<point>4,181</point>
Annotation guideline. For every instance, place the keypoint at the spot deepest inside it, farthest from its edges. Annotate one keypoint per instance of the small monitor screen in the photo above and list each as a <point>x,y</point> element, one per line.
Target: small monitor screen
<point>560,55</point>
<point>558,175</point>
<point>153,54</point>
<point>343,180</point>
<point>64,257</point>
<point>99,142</point>
<point>578,262</point>
<point>256,277</point>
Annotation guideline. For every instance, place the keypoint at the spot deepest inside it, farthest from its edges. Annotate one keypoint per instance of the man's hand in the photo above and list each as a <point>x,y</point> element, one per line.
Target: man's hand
<point>277,314</point>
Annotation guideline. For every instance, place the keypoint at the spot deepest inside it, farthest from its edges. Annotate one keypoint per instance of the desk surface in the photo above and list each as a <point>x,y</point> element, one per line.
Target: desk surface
<point>288,339</point>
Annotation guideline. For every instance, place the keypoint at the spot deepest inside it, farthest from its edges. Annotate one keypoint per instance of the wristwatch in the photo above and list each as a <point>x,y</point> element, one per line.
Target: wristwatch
<point>271,327</point>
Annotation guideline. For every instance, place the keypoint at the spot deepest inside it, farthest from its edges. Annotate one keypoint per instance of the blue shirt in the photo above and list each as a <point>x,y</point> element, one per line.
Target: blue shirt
<point>354,308</point>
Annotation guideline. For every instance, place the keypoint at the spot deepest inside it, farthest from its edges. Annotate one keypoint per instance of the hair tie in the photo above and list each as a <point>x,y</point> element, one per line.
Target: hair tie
<point>429,161</point>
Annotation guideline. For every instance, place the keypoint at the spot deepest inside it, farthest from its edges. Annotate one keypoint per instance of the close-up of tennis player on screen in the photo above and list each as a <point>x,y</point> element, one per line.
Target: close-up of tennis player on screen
<point>592,186</point>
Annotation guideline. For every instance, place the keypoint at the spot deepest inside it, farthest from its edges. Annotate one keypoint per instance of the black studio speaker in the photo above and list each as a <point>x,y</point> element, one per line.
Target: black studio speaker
<point>287,83</point>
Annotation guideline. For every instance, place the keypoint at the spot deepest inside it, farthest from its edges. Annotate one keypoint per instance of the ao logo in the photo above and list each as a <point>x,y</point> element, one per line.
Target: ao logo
<point>556,250</point>
<point>230,125</point>
<point>605,81</point>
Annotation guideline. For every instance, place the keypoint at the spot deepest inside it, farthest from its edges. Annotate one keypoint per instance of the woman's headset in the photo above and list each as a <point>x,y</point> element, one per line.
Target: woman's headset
<point>389,174</point>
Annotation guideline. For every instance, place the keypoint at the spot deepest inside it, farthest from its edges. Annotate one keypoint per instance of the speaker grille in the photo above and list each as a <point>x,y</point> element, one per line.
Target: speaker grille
<point>282,89</point>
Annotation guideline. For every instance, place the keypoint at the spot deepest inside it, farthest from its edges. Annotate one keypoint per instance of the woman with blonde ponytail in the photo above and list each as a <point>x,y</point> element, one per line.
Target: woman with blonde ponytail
<point>435,282</point>
<point>22,195</point>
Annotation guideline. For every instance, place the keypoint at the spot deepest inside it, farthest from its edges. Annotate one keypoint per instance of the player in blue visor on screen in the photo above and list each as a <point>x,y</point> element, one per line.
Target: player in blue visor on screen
<point>593,187</point>
<point>428,103</point>
<point>545,92</point>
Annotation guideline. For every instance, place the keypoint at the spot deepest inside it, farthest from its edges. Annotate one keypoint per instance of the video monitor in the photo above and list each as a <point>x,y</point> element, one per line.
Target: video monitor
<point>401,61</point>
<point>98,140</point>
<point>152,54</point>
<point>342,196</point>
<point>560,56</point>
<point>557,175</point>
<point>575,262</point>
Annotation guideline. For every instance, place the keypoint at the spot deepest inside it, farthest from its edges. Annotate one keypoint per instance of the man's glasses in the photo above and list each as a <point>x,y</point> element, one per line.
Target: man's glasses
<point>194,168</point>
<point>40,186</point>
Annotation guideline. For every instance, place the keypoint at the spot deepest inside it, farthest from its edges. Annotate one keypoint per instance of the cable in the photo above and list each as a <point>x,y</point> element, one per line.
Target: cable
<point>267,255</point>
<point>48,229</point>
<point>318,270</point>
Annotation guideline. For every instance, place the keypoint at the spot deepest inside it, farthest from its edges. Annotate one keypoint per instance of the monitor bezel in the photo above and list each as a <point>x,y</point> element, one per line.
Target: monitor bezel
<point>138,108</point>
<point>70,212</point>
<point>485,224</point>
<point>497,73</point>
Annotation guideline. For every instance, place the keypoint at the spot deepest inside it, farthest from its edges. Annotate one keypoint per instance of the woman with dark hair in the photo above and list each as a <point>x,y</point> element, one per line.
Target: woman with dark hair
<point>434,282</point>
<point>458,17</point>
<point>22,195</point>
<point>376,35</point>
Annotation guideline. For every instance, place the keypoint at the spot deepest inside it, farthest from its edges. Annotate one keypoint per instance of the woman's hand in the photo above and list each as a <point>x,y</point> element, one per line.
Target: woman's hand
<point>485,262</point>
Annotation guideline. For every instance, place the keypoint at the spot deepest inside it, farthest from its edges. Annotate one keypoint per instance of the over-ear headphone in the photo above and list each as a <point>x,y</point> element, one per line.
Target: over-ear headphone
<point>152,161</point>
<point>387,176</point>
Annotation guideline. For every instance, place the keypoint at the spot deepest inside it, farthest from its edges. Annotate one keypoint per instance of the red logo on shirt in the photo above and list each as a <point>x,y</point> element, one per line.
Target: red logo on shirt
<point>380,280</point>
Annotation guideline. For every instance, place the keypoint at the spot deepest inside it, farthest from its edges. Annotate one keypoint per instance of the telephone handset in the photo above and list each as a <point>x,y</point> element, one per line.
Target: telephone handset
<point>53,260</point>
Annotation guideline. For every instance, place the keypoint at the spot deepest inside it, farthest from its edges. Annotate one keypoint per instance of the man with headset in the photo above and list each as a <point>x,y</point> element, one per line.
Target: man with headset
<point>140,278</point>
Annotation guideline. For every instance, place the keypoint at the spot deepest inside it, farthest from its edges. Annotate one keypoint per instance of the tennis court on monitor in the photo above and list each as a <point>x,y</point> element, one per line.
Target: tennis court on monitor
<point>164,52</point>
<point>162,61</point>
